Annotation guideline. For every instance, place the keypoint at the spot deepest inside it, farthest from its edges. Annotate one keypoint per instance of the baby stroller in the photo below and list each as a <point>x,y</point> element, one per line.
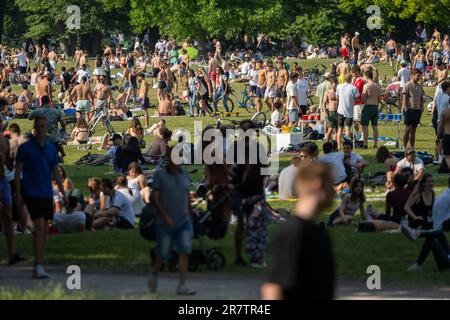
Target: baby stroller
<point>211,223</point>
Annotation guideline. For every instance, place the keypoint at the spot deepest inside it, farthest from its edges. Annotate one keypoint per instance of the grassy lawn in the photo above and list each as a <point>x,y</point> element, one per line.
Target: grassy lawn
<point>127,251</point>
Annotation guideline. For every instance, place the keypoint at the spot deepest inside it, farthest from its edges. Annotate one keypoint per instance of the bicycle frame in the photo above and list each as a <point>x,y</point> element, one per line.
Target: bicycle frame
<point>245,97</point>
<point>100,114</point>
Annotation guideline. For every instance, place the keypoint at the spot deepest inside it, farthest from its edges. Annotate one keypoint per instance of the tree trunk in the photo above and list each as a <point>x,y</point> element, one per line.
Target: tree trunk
<point>92,43</point>
<point>2,17</point>
<point>202,43</point>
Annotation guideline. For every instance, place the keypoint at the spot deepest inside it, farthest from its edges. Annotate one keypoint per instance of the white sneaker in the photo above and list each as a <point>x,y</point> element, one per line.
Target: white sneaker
<point>414,267</point>
<point>409,233</point>
<point>184,290</point>
<point>39,272</point>
<point>259,265</point>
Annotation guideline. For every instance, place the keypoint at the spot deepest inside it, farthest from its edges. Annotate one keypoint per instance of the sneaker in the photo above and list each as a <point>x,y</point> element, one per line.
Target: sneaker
<point>153,283</point>
<point>240,262</point>
<point>16,258</point>
<point>409,233</point>
<point>184,290</point>
<point>414,267</point>
<point>39,272</point>
<point>259,265</point>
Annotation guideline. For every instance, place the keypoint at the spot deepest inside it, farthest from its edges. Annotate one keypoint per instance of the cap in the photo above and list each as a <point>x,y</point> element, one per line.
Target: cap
<point>22,99</point>
<point>356,33</point>
<point>404,63</point>
<point>327,74</point>
<point>410,151</point>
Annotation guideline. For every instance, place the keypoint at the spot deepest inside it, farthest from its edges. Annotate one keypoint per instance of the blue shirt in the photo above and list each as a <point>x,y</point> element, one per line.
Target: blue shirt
<point>173,194</point>
<point>38,164</point>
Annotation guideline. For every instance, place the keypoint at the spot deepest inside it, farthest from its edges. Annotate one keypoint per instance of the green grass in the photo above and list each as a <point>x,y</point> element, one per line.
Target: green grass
<point>127,251</point>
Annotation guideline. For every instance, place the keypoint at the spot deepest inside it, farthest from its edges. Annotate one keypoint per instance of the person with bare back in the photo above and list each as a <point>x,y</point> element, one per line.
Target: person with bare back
<point>330,109</point>
<point>84,99</point>
<point>143,95</point>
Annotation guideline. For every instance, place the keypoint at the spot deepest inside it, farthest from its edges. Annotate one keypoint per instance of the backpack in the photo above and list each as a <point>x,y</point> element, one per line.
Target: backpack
<point>147,223</point>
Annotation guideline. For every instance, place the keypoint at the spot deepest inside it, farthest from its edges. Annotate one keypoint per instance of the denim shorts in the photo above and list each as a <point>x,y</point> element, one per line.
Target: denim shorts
<point>182,234</point>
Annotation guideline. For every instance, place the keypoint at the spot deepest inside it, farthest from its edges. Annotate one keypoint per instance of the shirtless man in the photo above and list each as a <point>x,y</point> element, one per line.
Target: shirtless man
<point>344,46</point>
<point>44,88</point>
<point>102,94</point>
<point>126,74</point>
<point>20,108</point>
<point>143,95</point>
<point>53,59</point>
<point>371,98</point>
<point>121,108</point>
<point>391,49</point>
<point>270,91</point>
<point>444,130</point>
<point>24,102</point>
<point>261,87</point>
<point>77,56</point>
<point>85,99</point>
<point>84,59</point>
<point>5,75</point>
<point>343,70</point>
<point>184,68</point>
<point>171,80</point>
<point>212,66</point>
<point>282,81</point>
<point>330,109</point>
<point>166,107</point>
<point>356,47</point>
<point>44,51</point>
<point>162,81</point>
<point>441,76</point>
<point>155,63</point>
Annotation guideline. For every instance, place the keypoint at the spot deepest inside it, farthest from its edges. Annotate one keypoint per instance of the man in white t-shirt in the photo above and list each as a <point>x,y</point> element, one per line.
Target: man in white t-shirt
<point>336,161</point>
<point>302,92</point>
<point>287,178</point>
<point>442,100</point>
<point>355,160</point>
<point>346,94</point>
<point>23,61</point>
<point>293,106</point>
<point>404,74</point>
<point>83,72</point>
<point>252,76</point>
<point>276,118</point>
<point>120,214</point>
<point>245,67</point>
<point>411,161</point>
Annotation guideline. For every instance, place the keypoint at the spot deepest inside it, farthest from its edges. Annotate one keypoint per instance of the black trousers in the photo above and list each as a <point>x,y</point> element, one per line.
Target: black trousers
<point>435,242</point>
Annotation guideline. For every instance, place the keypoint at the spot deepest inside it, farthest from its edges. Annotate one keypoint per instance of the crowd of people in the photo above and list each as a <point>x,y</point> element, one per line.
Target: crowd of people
<point>38,195</point>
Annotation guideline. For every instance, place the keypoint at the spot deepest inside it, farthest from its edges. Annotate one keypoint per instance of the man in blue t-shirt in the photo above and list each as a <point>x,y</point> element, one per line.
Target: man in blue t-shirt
<point>37,162</point>
<point>170,197</point>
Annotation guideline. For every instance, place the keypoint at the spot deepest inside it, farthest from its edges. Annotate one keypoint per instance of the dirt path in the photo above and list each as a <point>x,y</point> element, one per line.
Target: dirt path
<point>208,285</point>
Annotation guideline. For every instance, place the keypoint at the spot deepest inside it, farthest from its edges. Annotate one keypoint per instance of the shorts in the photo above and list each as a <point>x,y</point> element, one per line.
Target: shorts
<point>126,85</point>
<point>162,85</point>
<point>390,52</point>
<point>293,115</point>
<point>5,192</point>
<point>169,87</point>
<point>134,85</point>
<point>122,223</point>
<point>344,52</point>
<point>446,145</point>
<point>183,72</point>
<point>260,92</point>
<point>270,93</point>
<point>341,78</point>
<point>100,104</point>
<point>23,70</point>
<point>281,93</point>
<point>253,89</point>
<point>332,119</point>
<point>357,110</point>
<point>343,121</point>
<point>412,117</point>
<point>182,235</point>
<point>155,72</point>
<point>146,103</point>
<point>83,106</point>
<point>369,114</point>
<point>39,208</point>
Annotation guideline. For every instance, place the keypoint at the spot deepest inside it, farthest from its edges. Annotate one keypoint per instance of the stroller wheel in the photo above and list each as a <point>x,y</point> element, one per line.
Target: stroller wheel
<point>215,260</point>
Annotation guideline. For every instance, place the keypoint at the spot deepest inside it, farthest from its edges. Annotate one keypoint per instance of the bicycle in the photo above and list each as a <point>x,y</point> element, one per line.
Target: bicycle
<point>246,101</point>
<point>314,76</point>
<point>100,114</point>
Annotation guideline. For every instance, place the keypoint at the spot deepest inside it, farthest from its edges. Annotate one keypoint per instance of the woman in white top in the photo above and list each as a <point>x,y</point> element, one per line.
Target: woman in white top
<point>131,194</point>
<point>137,181</point>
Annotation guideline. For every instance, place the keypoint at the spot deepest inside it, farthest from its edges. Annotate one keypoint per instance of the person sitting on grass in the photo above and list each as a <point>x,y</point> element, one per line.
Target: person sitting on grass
<point>420,204</point>
<point>411,161</point>
<point>73,220</point>
<point>131,152</point>
<point>409,174</point>
<point>158,148</point>
<point>286,180</point>
<point>350,203</point>
<point>137,181</point>
<point>80,133</point>
<point>120,212</point>
<point>136,130</point>
<point>131,194</point>
<point>336,160</point>
<point>396,200</point>
<point>111,154</point>
<point>354,160</point>
<point>166,106</point>
<point>154,129</point>
<point>385,157</point>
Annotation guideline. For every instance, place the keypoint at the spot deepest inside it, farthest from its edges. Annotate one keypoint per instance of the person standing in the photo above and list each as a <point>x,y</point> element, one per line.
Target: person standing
<point>371,98</point>
<point>305,268</point>
<point>412,107</point>
<point>355,48</point>
<point>143,95</point>
<point>293,106</point>
<point>261,86</point>
<point>329,109</point>
<point>36,165</point>
<point>170,197</point>
<point>302,91</point>
<point>346,94</point>
<point>84,99</point>
<point>358,82</point>
<point>270,93</point>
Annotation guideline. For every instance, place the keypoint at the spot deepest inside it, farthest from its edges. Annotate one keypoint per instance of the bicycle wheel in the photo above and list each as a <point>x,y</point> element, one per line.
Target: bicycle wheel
<point>427,99</point>
<point>250,102</point>
<point>220,106</point>
<point>109,127</point>
<point>259,119</point>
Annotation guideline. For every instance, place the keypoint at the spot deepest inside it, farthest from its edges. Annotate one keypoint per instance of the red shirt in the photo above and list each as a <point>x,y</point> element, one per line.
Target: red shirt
<point>359,84</point>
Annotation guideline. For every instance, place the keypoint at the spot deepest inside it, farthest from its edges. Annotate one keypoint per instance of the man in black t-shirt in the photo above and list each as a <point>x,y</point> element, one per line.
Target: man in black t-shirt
<point>302,261</point>
<point>406,52</point>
